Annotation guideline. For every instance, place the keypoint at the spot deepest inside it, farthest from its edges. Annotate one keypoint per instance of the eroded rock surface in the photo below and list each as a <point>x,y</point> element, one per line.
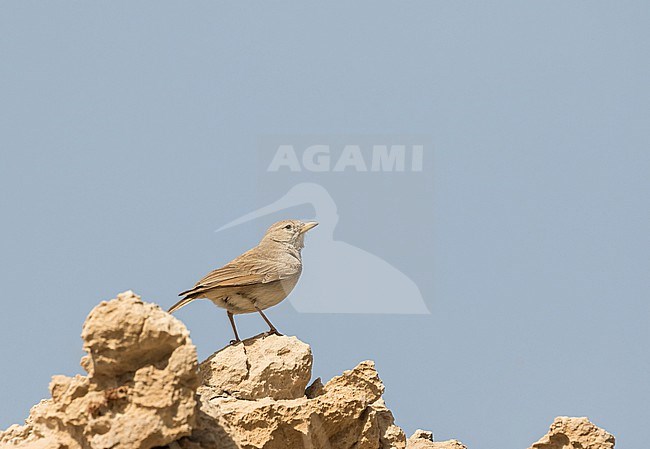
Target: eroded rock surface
<point>275,367</point>
<point>266,409</point>
<point>423,439</point>
<point>140,388</point>
<point>145,389</point>
<point>569,433</point>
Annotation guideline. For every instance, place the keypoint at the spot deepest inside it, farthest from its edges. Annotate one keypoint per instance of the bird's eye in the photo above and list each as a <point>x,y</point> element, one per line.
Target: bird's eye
<point>287,226</point>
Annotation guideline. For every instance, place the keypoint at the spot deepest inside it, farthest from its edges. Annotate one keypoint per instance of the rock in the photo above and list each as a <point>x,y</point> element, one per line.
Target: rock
<point>380,426</point>
<point>420,434</point>
<point>315,389</point>
<point>423,439</point>
<point>140,388</point>
<point>580,433</point>
<point>347,412</point>
<point>145,389</point>
<point>274,367</point>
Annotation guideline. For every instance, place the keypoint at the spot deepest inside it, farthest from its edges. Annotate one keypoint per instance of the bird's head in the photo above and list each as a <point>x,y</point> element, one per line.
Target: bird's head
<point>290,232</point>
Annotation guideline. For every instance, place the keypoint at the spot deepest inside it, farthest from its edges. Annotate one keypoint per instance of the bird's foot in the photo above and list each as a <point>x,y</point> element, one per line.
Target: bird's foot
<point>273,331</point>
<point>234,342</point>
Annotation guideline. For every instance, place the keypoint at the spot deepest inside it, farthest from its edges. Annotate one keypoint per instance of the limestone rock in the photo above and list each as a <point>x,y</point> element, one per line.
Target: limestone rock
<point>423,439</point>
<point>140,388</point>
<point>569,433</point>
<point>420,434</point>
<point>275,367</point>
<point>347,412</point>
<point>145,389</point>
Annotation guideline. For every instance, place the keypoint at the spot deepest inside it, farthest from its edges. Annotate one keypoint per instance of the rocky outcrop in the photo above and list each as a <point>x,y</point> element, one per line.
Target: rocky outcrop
<point>140,388</point>
<point>274,367</point>
<point>145,389</point>
<point>580,433</point>
<point>254,394</point>
<point>423,439</point>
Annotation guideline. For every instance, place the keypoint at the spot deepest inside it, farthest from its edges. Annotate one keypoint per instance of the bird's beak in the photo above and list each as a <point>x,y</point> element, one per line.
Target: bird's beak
<point>307,226</point>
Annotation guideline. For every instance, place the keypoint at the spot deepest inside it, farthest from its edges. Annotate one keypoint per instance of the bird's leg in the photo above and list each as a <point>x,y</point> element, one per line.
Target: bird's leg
<point>272,329</point>
<point>234,329</point>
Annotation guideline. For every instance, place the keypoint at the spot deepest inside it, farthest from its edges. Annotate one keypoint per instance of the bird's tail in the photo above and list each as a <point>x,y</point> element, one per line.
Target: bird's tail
<point>180,304</point>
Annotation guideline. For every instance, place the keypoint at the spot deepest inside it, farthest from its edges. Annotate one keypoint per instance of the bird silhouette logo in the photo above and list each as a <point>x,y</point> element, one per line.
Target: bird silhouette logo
<point>340,277</point>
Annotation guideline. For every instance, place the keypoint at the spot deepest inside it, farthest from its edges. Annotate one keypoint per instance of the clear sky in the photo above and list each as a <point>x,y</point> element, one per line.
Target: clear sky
<point>501,284</point>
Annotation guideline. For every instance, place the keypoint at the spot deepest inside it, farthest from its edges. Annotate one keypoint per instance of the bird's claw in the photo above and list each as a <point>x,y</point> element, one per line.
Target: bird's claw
<point>234,342</point>
<point>273,332</point>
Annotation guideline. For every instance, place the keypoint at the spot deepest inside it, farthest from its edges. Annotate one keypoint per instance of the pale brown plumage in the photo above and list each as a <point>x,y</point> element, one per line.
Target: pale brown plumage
<point>259,278</point>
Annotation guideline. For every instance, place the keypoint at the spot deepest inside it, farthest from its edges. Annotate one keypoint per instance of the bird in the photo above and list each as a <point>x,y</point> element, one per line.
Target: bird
<point>258,279</point>
<point>373,283</point>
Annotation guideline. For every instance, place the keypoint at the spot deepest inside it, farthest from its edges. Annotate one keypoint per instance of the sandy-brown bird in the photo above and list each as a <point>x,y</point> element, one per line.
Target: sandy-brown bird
<point>259,278</point>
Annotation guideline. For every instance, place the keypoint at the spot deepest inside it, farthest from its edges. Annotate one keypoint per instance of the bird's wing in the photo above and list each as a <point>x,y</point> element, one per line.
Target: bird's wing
<point>244,271</point>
